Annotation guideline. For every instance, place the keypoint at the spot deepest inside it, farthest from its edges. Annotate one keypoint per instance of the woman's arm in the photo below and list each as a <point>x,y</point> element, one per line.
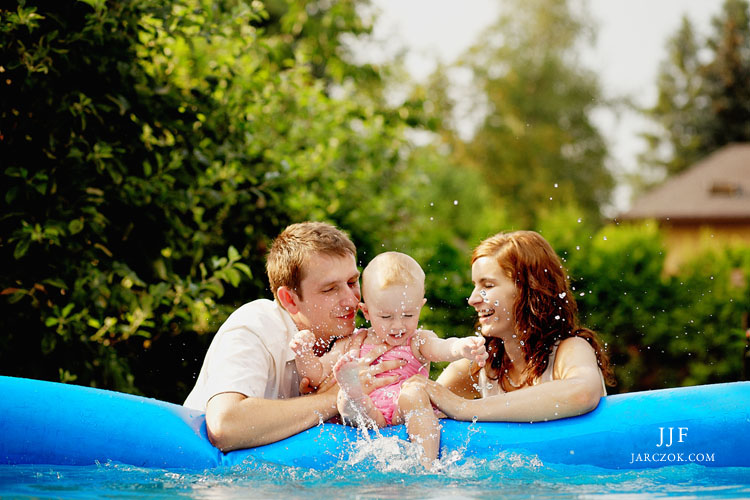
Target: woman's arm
<point>458,378</point>
<point>576,389</point>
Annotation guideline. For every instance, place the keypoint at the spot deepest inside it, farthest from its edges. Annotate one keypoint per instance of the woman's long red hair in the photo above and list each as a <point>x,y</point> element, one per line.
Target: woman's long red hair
<point>545,310</point>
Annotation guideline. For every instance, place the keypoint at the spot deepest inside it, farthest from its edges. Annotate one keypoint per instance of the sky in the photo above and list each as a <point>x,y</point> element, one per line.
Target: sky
<point>631,43</point>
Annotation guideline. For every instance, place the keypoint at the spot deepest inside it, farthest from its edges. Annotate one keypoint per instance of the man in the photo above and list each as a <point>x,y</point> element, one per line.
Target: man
<point>248,385</point>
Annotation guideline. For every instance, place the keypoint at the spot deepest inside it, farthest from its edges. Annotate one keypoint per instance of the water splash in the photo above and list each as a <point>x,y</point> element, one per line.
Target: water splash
<point>508,475</point>
<point>385,454</point>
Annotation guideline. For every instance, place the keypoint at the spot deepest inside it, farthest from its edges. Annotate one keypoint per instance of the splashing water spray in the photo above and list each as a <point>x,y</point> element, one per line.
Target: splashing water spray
<point>482,376</point>
<point>483,373</point>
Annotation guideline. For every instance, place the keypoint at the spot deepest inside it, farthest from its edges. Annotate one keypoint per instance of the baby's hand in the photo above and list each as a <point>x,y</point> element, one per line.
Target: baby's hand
<point>302,343</point>
<point>473,348</point>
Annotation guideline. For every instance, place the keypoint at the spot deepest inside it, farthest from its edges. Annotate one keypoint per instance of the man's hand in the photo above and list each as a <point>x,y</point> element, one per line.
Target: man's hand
<point>306,388</point>
<point>367,373</point>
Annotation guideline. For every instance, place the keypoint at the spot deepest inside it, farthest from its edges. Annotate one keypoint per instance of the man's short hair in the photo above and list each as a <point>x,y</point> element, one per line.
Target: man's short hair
<point>294,246</point>
<point>392,268</point>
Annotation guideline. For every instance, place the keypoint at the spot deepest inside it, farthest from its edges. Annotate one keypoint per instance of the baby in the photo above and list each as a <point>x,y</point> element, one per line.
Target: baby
<point>393,294</point>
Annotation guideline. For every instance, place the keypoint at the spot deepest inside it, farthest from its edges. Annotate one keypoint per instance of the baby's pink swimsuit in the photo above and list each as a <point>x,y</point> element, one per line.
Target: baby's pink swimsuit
<point>386,398</point>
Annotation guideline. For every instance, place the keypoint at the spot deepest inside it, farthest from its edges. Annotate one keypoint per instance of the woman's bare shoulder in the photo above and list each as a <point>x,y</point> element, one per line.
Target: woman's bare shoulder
<point>574,343</point>
<point>574,355</point>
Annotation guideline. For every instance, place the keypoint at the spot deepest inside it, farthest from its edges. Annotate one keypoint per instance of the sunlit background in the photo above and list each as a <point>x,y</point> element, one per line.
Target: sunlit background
<point>152,150</point>
<point>629,44</point>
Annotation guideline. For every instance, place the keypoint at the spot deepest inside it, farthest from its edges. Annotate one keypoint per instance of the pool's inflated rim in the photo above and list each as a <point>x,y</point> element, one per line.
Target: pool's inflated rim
<point>56,424</point>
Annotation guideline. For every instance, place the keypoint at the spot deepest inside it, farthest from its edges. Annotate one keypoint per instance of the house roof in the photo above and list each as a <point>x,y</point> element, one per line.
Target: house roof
<point>715,189</point>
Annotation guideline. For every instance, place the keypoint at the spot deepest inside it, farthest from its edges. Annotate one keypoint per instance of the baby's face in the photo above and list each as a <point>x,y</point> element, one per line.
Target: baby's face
<point>394,313</point>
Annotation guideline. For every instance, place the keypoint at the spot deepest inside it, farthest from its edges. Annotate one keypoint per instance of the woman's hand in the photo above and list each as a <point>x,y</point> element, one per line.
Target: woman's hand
<point>449,403</point>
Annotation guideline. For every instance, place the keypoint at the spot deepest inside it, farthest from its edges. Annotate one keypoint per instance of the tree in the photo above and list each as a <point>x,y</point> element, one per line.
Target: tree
<point>537,145</point>
<point>703,98</point>
<point>151,150</point>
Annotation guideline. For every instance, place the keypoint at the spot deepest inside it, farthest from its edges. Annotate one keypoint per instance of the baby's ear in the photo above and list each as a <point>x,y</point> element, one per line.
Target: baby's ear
<point>365,312</point>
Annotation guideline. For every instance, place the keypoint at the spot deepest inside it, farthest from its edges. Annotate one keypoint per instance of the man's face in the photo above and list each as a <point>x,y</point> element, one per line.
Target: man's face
<point>330,296</point>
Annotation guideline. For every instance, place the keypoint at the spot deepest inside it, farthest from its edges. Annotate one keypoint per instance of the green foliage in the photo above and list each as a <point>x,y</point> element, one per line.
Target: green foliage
<point>713,296</point>
<point>140,141</point>
<point>152,149</point>
<point>450,210</point>
<point>704,100</point>
<point>661,331</point>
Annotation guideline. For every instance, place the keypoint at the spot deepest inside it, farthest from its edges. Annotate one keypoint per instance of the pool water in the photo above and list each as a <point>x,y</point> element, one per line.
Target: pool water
<point>381,469</point>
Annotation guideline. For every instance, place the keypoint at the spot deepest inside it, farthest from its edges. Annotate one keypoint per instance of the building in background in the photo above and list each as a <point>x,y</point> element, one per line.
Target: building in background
<point>707,204</point>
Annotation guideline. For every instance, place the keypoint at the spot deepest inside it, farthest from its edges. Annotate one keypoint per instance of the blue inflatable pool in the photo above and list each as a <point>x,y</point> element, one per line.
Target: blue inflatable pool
<point>55,424</point>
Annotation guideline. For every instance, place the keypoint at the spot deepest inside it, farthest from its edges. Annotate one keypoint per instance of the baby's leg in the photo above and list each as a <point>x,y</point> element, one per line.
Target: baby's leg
<point>415,409</point>
<point>356,407</point>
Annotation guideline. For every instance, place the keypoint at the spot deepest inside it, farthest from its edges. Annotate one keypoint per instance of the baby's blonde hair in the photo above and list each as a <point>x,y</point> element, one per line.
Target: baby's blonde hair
<point>391,268</point>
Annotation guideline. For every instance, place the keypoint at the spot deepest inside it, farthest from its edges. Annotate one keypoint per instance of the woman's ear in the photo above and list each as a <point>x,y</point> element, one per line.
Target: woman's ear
<point>288,299</point>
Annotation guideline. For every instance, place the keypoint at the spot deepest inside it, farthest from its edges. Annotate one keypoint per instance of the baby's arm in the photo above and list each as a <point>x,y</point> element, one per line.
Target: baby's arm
<point>433,348</point>
<point>315,368</point>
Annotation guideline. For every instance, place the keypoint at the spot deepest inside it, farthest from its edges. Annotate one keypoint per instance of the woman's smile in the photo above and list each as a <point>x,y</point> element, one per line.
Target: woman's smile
<point>493,297</point>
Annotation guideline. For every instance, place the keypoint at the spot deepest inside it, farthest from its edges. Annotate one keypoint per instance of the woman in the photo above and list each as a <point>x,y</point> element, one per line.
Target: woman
<point>542,365</point>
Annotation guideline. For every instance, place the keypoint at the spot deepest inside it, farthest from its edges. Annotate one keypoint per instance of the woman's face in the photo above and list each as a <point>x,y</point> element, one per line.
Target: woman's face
<point>492,298</point>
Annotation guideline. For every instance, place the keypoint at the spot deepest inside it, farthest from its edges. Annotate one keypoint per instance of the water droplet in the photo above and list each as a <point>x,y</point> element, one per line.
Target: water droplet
<point>455,202</point>
<point>562,295</point>
<point>555,184</point>
<point>604,238</point>
<point>580,220</point>
<point>497,303</point>
<point>483,293</point>
<point>557,316</point>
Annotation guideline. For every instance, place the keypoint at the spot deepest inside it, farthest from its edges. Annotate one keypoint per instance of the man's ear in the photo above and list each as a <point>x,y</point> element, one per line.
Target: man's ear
<point>288,298</point>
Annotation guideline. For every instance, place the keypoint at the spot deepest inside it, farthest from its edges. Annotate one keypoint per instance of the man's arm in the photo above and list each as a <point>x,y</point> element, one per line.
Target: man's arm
<point>235,421</point>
